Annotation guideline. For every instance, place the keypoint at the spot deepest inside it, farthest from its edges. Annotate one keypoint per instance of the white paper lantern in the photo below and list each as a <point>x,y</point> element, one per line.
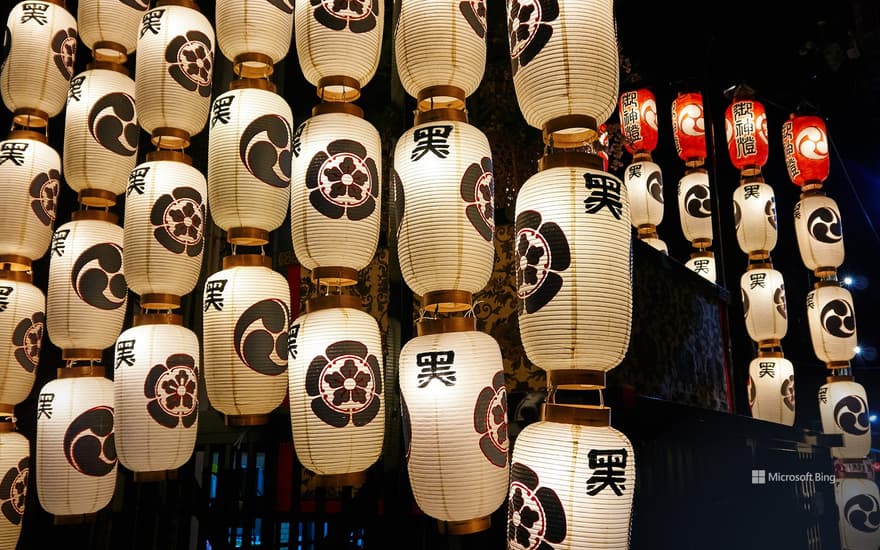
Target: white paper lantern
<point>444,185</point>
<point>174,72</point>
<point>335,194</point>
<point>30,181</point>
<point>754,216</point>
<point>339,45</point>
<point>571,484</point>
<point>101,133</point>
<point>85,306</point>
<point>246,315</point>
<point>337,400</point>
<point>22,325</point>
<point>254,33</point>
<point>15,457</point>
<point>703,264</point>
<point>644,183</point>
<point>455,420</point>
<point>164,229</point>
<point>440,50</point>
<point>832,321</point>
<point>42,51</point>
<point>548,73</point>
<point>695,207</point>
<point>110,28</point>
<point>858,512</point>
<point>843,408</point>
<point>76,450</point>
<point>771,388</point>
<point>155,385</point>
<point>817,224</point>
<point>574,268</point>
<point>764,306</point>
<point>249,161</point>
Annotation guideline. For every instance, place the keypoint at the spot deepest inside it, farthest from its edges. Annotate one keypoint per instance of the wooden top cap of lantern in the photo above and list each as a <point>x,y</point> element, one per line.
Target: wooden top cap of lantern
<point>581,415</point>
<point>338,89</point>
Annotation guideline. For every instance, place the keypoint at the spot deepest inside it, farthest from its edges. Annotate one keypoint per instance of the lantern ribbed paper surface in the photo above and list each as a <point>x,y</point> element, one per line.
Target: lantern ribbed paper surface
<point>325,29</point>
<point>22,325</point>
<point>444,184</point>
<point>574,269</point>
<point>858,507</point>
<point>101,131</point>
<point>764,305</point>
<point>771,390</point>
<point>548,72</point>
<point>337,404</point>
<point>336,192</point>
<point>85,306</point>
<point>689,128</point>
<point>703,264</point>
<point>455,407</point>
<point>30,180</point>
<point>832,320</point>
<point>805,144</point>
<point>745,126</point>
<point>155,384</point>
<point>249,159</point>
<point>695,206</point>
<point>102,21</point>
<point>439,43</point>
<point>246,319</point>
<point>174,69</point>
<point>843,407</point>
<point>644,184</point>
<point>819,231</point>
<point>570,487</point>
<point>638,114</point>
<point>15,457</point>
<point>754,215</point>
<point>164,227</point>
<point>42,52</point>
<point>76,451</point>
<point>254,26</point>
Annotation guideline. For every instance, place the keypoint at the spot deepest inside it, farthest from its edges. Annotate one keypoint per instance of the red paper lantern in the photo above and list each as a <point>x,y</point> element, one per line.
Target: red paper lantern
<point>745,123</point>
<point>805,143</point>
<point>638,120</point>
<point>689,128</point>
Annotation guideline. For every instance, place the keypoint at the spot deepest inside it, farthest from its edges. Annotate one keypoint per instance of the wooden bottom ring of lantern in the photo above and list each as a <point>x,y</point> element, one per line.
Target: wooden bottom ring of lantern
<point>77,519</point>
<point>825,272</point>
<point>160,301</point>
<point>760,256</point>
<point>6,410</point>
<point>333,301</point>
<point>337,481</point>
<point>247,236</point>
<point>466,527</point>
<point>580,415</point>
<point>107,51</point>
<point>445,301</point>
<point>751,174</point>
<point>576,379</point>
<point>157,319</point>
<point>701,244</point>
<point>150,477</point>
<point>253,65</point>
<point>441,97</point>
<point>240,420</point>
<point>165,137</point>
<point>647,231</point>
<point>836,366</point>
<point>570,131</point>
<point>770,348</point>
<point>13,262</point>
<point>338,88</point>
<point>83,371</point>
<point>81,354</point>
<point>334,276</point>
<point>98,198</point>
<point>30,118</point>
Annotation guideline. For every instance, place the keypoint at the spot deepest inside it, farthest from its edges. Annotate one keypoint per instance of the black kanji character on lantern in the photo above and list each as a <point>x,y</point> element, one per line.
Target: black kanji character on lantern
<point>292,336</point>
<point>701,266</point>
<point>757,280</point>
<point>5,291</point>
<point>152,21</point>
<point>136,180</point>
<point>436,365</point>
<point>58,240</point>
<point>44,405</point>
<point>766,368</point>
<point>752,191</point>
<point>811,301</point>
<point>634,170</point>
<point>823,394</point>
<point>221,110</point>
<point>34,11</point>
<point>431,139</point>
<point>214,294</point>
<point>604,193</point>
<point>75,90</point>
<point>14,151</point>
<point>609,470</point>
<point>124,353</point>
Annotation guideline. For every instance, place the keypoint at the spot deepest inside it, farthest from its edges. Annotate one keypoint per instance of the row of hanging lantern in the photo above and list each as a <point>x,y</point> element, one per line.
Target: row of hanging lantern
<point>336,381</point>
<point>572,474</point>
<point>453,393</point>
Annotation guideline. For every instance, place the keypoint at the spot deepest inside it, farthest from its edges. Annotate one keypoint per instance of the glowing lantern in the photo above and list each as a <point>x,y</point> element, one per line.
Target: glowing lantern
<point>76,450</point>
<point>695,207</point>
<point>455,419</point>
<point>771,388</point>
<point>703,264</point>
<point>335,193</point>
<point>337,404</point>
<point>30,180</point>
<point>689,128</point>
<point>42,51</point>
<point>174,72</point>
<point>843,408</point>
<point>101,133</point>
<point>745,125</point>
<point>819,231</point>
<point>110,29</point>
<point>764,306</point>
<point>444,185</point>
<point>15,457</point>
<point>573,265</point>
<point>754,216</point>
<point>805,144</point>
<point>245,323</point>
<point>858,506</point>
<point>324,29</point>
<point>832,320</point>
<point>164,229</point>
<point>579,495</point>
<point>254,34</point>
<point>155,386</point>
<point>249,161</point>
<point>638,117</point>
<point>22,324</point>
<point>440,50</point>
<point>644,184</point>
<point>87,292</point>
